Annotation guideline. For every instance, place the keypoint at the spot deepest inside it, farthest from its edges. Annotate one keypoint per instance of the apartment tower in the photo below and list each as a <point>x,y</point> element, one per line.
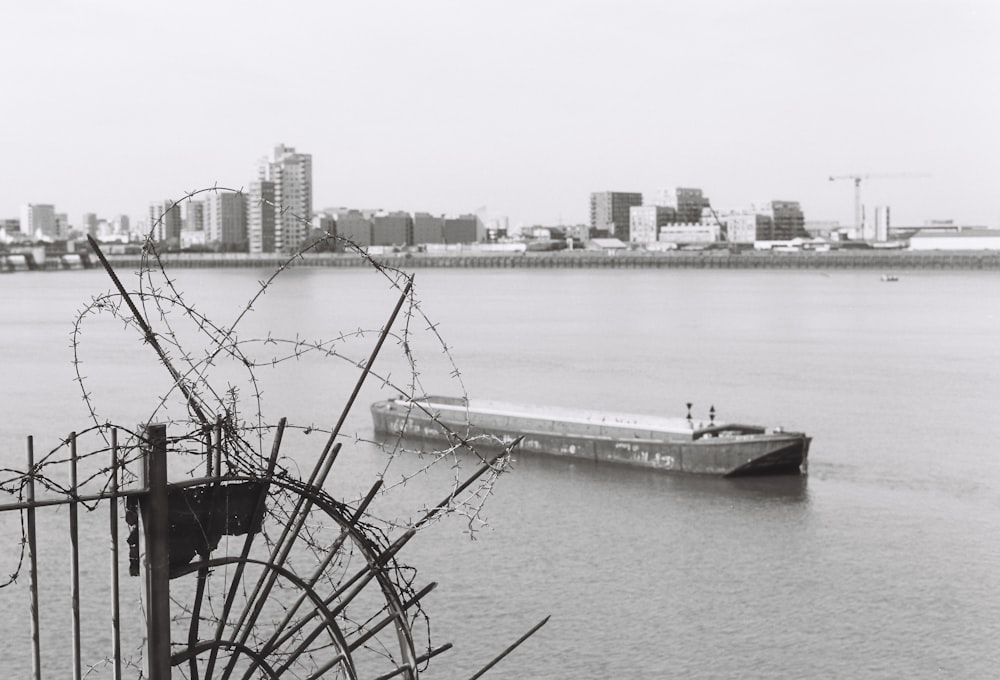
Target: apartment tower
<point>261,217</point>
<point>609,212</point>
<point>227,221</point>
<point>291,175</point>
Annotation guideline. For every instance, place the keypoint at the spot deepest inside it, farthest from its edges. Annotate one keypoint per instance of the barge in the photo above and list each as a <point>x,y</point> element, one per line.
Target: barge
<point>679,445</point>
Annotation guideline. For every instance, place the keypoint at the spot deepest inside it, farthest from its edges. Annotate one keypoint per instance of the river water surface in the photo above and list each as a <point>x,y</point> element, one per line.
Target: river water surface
<point>884,562</point>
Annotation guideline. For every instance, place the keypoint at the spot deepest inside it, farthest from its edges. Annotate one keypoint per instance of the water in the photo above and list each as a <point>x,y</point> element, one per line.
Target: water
<point>882,563</point>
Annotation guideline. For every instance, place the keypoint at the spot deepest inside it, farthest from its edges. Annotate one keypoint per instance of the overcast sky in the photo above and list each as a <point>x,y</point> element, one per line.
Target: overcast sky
<point>524,107</point>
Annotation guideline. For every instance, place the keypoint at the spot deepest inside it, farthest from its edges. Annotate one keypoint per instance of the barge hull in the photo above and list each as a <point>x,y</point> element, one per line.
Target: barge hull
<point>759,454</point>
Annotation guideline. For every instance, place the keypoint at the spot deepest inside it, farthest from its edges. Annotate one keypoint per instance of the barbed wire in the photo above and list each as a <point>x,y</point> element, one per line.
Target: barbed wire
<point>233,422</point>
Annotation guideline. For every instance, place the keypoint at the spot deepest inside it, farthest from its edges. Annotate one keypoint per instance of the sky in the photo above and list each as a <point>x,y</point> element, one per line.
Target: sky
<point>519,108</point>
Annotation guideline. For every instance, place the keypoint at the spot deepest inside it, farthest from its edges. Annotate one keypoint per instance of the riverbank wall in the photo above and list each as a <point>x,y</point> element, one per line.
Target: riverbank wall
<point>883,261</point>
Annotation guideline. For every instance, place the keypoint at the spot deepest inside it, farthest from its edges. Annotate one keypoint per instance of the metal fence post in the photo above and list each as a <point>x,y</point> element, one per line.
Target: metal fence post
<point>36,644</point>
<point>155,526</point>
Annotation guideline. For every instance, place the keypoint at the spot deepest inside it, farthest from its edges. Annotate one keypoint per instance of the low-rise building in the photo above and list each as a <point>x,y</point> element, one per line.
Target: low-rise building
<point>10,225</point>
<point>191,238</point>
<point>392,229</point>
<point>689,234</point>
<point>736,226</point>
<point>462,229</point>
<point>428,228</point>
<point>577,232</point>
<point>824,228</point>
<point>355,227</point>
<point>965,239</point>
<point>609,245</point>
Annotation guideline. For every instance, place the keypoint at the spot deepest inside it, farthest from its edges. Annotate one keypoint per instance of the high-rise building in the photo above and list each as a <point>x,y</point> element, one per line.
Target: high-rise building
<point>226,221</point>
<point>291,174</point>
<point>609,213</point>
<point>194,215</point>
<point>39,220</point>
<point>261,216</point>
<point>165,222</point>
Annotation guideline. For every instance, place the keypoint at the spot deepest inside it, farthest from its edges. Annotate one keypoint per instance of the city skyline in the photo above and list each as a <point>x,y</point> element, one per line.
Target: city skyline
<point>522,108</point>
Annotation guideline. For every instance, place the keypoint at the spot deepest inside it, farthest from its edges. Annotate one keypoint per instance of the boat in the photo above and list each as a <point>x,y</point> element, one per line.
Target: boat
<point>889,278</point>
<point>679,445</point>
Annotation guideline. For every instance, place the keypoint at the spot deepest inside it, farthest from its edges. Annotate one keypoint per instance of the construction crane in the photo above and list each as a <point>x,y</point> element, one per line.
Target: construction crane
<point>857,188</point>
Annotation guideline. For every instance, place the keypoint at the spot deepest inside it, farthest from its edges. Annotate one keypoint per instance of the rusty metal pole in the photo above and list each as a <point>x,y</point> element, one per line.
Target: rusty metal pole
<point>155,526</point>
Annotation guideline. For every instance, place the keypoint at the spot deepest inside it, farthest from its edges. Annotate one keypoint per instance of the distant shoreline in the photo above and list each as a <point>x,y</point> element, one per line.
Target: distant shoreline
<point>875,260</point>
<point>881,260</point>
